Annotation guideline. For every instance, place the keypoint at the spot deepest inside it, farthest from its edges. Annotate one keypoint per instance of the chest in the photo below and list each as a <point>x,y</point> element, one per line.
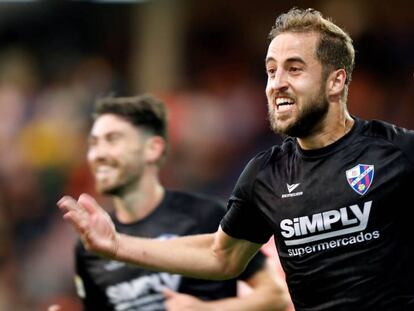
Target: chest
<point>314,202</point>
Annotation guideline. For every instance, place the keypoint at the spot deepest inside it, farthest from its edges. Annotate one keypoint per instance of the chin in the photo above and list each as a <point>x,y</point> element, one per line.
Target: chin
<point>105,189</point>
<point>282,128</point>
<point>110,191</point>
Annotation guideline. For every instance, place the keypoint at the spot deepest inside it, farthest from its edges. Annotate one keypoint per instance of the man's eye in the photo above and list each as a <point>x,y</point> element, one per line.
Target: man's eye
<point>113,138</point>
<point>270,71</point>
<point>294,69</point>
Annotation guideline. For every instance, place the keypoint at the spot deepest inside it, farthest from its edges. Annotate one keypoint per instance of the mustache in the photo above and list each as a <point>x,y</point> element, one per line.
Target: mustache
<point>283,94</point>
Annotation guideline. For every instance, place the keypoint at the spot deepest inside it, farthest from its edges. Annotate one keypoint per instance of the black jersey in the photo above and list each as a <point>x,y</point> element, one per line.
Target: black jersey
<point>341,216</point>
<point>112,285</point>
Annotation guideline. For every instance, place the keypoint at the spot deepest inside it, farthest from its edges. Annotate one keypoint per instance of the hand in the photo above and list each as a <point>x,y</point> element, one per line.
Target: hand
<point>183,302</point>
<point>95,227</point>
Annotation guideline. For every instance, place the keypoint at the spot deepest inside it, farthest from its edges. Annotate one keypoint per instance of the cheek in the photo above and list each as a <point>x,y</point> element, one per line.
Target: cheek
<point>90,156</point>
<point>132,158</point>
<point>268,90</point>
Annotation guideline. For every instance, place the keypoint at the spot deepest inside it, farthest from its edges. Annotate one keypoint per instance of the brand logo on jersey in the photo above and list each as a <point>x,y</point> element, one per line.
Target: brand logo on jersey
<point>360,177</point>
<point>290,188</point>
<point>114,265</point>
<point>142,293</point>
<point>320,226</point>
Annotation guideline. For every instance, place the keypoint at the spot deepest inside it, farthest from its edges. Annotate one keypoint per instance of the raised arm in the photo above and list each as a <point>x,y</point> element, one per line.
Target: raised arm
<point>210,256</point>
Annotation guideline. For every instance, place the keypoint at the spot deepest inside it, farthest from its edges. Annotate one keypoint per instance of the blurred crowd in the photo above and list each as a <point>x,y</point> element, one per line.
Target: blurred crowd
<point>43,141</point>
<point>217,122</point>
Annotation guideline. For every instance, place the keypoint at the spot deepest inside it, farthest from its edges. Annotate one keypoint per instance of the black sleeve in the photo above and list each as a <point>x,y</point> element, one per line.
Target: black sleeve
<point>400,137</point>
<point>91,296</point>
<point>243,219</point>
<point>404,139</point>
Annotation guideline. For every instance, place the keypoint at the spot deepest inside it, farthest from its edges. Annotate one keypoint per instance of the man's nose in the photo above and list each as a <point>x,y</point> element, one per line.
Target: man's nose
<point>280,81</point>
<point>97,152</point>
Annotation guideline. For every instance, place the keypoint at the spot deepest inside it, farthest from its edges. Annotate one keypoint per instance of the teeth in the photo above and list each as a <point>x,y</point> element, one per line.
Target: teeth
<point>284,101</point>
<point>103,169</point>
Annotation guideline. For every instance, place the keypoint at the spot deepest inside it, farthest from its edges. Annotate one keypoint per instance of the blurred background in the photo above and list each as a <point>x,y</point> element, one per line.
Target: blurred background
<point>205,58</point>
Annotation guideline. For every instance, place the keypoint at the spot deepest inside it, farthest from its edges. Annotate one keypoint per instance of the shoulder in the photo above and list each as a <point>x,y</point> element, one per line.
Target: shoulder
<point>400,137</point>
<point>265,159</point>
<point>192,202</point>
<point>385,130</point>
<point>194,197</point>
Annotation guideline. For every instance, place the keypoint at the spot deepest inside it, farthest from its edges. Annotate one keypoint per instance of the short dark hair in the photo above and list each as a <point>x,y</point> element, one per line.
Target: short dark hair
<point>143,111</point>
<point>334,50</point>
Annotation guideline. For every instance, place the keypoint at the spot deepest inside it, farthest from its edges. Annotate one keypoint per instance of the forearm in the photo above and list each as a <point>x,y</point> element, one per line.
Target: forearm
<point>192,256</point>
<point>211,256</point>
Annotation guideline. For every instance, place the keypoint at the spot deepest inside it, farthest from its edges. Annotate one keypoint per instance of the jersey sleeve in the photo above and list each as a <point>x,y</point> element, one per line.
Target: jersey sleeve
<point>92,298</point>
<point>404,139</point>
<point>243,219</point>
<point>400,137</point>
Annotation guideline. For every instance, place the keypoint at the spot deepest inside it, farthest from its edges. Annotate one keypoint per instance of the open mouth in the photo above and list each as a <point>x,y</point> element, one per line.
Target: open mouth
<point>284,103</point>
<point>103,171</point>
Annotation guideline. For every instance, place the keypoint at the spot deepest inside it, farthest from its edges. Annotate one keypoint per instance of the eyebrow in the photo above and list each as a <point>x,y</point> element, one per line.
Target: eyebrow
<point>269,59</point>
<point>113,132</point>
<point>289,60</point>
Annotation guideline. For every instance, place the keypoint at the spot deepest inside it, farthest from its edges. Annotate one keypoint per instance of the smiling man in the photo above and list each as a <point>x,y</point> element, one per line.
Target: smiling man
<point>127,146</point>
<point>335,195</point>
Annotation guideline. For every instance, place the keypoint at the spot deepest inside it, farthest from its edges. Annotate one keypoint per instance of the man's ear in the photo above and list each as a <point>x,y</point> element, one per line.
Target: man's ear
<point>336,82</point>
<point>154,149</point>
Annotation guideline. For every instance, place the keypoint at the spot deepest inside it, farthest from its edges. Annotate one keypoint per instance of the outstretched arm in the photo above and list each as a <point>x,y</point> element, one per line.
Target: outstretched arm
<point>210,256</point>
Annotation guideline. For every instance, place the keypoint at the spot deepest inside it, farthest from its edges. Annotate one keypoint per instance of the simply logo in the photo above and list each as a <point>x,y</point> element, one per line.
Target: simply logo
<point>360,177</point>
<point>325,225</point>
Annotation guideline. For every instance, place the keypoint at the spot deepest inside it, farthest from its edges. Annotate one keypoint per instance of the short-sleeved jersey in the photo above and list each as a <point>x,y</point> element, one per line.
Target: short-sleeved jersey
<point>342,217</point>
<point>112,285</point>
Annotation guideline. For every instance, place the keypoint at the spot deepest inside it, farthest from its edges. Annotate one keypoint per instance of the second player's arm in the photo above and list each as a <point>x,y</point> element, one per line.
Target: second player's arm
<point>210,256</point>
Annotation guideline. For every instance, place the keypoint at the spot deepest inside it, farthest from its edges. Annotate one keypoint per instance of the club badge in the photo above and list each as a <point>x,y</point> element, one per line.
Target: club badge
<point>360,177</point>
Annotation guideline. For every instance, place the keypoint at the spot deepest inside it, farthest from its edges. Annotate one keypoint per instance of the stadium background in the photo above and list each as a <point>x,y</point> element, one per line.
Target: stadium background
<point>205,58</point>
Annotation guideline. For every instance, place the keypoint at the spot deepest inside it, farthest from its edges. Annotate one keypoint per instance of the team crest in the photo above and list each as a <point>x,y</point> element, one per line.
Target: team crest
<point>360,177</point>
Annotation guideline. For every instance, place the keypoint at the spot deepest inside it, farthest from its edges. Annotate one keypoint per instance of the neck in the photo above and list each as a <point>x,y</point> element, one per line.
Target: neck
<point>141,201</point>
<point>336,124</point>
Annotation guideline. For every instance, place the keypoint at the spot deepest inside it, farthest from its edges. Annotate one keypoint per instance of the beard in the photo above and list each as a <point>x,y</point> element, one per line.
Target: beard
<point>117,190</point>
<point>123,184</point>
<point>308,119</point>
